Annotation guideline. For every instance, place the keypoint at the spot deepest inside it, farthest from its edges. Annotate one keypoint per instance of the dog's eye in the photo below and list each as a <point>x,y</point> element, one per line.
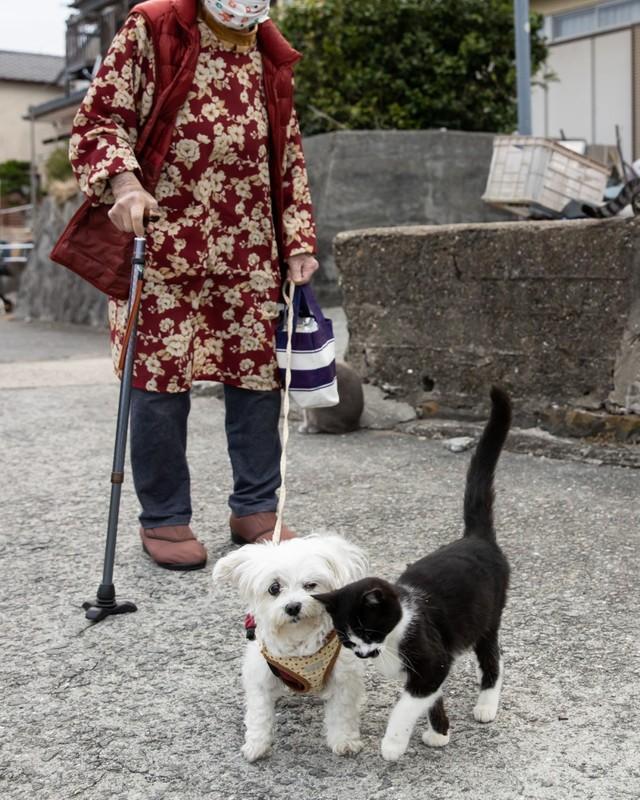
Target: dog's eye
<point>274,589</point>
<point>309,587</point>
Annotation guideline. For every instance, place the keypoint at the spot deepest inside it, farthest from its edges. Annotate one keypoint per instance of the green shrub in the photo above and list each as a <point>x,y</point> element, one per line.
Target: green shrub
<point>57,166</point>
<point>14,177</point>
<point>406,63</point>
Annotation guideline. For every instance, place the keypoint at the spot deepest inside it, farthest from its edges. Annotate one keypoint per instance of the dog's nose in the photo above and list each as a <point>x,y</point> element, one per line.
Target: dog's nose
<point>293,609</point>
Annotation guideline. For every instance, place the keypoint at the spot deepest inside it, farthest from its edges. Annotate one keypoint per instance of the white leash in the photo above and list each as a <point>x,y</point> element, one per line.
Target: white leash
<point>288,296</point>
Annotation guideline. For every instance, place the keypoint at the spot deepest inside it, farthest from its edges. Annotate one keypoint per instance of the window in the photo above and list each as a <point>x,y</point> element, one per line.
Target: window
<point>596,18</point>
<point>576,23</point>
<point>621,13</point>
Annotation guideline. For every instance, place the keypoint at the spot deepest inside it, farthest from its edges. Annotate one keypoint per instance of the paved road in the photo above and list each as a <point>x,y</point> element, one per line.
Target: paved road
<point>149,706</point>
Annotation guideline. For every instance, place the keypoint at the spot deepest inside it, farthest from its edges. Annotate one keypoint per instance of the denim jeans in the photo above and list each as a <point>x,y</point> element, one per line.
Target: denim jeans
<point>159,453</point>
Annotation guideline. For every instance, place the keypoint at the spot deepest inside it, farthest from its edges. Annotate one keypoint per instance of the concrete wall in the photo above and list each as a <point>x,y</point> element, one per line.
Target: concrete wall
<point>358,179</point>
<point>542,308</point>
<point>384,178</point>
<point>15,133</point>
<point>48,291</point>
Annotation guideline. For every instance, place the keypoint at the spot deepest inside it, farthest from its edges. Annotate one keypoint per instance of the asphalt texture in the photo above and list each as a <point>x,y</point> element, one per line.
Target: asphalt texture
<point>148,706</point>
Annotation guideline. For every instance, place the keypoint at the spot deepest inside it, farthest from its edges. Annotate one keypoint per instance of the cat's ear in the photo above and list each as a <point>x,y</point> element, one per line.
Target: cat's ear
<point>373,597</point>
<point>328,600</point>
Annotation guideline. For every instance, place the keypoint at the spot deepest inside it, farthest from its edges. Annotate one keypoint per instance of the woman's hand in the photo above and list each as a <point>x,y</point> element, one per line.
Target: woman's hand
<point>132,204</point>
<point>301,268</point>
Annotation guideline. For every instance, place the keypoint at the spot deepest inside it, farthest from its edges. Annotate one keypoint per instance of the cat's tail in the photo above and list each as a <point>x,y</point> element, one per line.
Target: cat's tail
<point>478,496</point>
<point>628,194</point>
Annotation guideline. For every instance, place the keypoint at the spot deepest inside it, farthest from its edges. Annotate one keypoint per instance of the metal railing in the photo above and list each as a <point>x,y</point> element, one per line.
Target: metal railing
<point>90,31</point>
<point>12,255</point>
<point>16,216</point>
<point>83,43</point>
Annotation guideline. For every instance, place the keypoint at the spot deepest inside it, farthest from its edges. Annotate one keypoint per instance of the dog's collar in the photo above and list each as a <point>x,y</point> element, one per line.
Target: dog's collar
<point>305,674</point>
<point>249,626</point>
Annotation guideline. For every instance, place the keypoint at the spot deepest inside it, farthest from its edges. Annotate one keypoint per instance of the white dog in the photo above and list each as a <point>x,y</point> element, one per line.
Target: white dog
<point>296,648</point>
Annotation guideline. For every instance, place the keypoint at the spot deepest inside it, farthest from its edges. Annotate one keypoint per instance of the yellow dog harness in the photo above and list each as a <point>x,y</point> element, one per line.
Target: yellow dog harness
<point>305,674</point>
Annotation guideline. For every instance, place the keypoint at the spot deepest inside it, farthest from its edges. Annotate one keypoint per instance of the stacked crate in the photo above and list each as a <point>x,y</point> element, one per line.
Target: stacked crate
<point>529,173</point>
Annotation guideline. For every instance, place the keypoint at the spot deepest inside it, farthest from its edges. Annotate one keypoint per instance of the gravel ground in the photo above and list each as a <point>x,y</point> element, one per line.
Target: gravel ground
<point>149,705</point>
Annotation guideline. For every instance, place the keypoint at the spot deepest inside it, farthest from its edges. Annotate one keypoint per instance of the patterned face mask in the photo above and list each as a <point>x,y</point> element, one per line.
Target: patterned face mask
<point>238,14</point>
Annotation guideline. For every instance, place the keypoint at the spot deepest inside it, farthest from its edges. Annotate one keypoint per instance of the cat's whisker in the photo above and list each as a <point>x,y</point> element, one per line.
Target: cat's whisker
<point>396,660</point>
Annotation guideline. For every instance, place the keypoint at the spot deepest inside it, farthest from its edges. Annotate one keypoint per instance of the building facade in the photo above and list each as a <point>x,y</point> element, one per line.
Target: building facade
<point>90,29</point>
<point>25,79</point>
<point>594,55</point>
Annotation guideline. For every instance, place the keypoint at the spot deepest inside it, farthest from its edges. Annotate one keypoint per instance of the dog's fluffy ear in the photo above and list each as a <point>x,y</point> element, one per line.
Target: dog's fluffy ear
<point>237,569</point>
<point>346,560</point>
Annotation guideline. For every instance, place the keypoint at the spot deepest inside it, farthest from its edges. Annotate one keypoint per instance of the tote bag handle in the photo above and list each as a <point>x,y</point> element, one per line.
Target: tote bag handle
<point>305,304</point>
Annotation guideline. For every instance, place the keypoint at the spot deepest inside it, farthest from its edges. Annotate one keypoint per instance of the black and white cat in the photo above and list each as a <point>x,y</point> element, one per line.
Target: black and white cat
<point>630,193</point>
<point>443,604</point>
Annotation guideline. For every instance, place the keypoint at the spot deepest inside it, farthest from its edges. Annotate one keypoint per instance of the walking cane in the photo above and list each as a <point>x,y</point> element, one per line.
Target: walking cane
<point>105,603</point>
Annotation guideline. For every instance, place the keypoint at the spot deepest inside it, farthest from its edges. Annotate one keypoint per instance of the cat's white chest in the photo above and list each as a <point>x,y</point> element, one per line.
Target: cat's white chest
<point>390,662</point>
<point>389,665</point>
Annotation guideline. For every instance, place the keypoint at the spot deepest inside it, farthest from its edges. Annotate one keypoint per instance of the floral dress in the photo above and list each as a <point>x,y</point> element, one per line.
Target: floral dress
<point>212,278</point>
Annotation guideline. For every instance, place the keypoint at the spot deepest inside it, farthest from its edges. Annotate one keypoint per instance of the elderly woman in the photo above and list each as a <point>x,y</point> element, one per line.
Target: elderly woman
<point>190,120</point>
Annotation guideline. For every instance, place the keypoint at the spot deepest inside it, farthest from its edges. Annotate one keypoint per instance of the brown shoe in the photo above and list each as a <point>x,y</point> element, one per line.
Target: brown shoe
<point>256,528</point>
<point>174,547</point>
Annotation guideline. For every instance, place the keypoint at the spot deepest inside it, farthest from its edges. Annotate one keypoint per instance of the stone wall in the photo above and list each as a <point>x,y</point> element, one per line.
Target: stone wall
<point>363,179</point>
<point>48,291</point>
<point>358,179</point>
<point>543,308</point>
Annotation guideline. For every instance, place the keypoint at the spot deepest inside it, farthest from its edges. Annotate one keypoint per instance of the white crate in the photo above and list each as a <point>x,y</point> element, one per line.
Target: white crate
<point>531,171</point>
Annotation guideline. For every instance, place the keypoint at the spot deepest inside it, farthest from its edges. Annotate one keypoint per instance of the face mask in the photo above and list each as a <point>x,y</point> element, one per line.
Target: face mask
<point>238,14</point>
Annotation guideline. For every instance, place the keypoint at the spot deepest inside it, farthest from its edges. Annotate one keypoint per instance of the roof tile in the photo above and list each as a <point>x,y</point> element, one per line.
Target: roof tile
<point>31,67</point>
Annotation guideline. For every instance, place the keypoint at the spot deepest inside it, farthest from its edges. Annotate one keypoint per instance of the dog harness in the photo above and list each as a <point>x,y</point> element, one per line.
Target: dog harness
<point>306,674</point>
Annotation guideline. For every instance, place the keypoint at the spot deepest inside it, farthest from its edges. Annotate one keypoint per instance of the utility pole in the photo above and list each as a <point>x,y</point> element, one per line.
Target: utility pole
<point>523,65</point>
<point>33,172</point>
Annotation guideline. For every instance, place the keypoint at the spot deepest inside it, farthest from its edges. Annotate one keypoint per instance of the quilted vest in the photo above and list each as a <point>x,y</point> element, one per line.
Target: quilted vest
<point>91,246</point>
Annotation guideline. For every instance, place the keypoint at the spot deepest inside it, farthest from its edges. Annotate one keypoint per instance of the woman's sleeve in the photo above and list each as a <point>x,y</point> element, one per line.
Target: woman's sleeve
<point>116,106</point>
<point>299,227</point>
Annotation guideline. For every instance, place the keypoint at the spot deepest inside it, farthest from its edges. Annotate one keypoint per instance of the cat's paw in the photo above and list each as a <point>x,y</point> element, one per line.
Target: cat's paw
<point>485,712</point>
<point>306,427</point>
<point>392,749</point>
<point>434,739</point>
<point>345,746</point>
<point>254,749</point>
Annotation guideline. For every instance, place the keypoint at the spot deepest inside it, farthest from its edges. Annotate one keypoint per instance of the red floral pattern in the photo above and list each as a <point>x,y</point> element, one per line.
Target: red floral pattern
<point>212,280</point>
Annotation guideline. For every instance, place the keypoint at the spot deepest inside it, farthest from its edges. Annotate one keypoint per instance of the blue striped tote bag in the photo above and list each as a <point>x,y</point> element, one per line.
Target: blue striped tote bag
<point>313,353</point>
